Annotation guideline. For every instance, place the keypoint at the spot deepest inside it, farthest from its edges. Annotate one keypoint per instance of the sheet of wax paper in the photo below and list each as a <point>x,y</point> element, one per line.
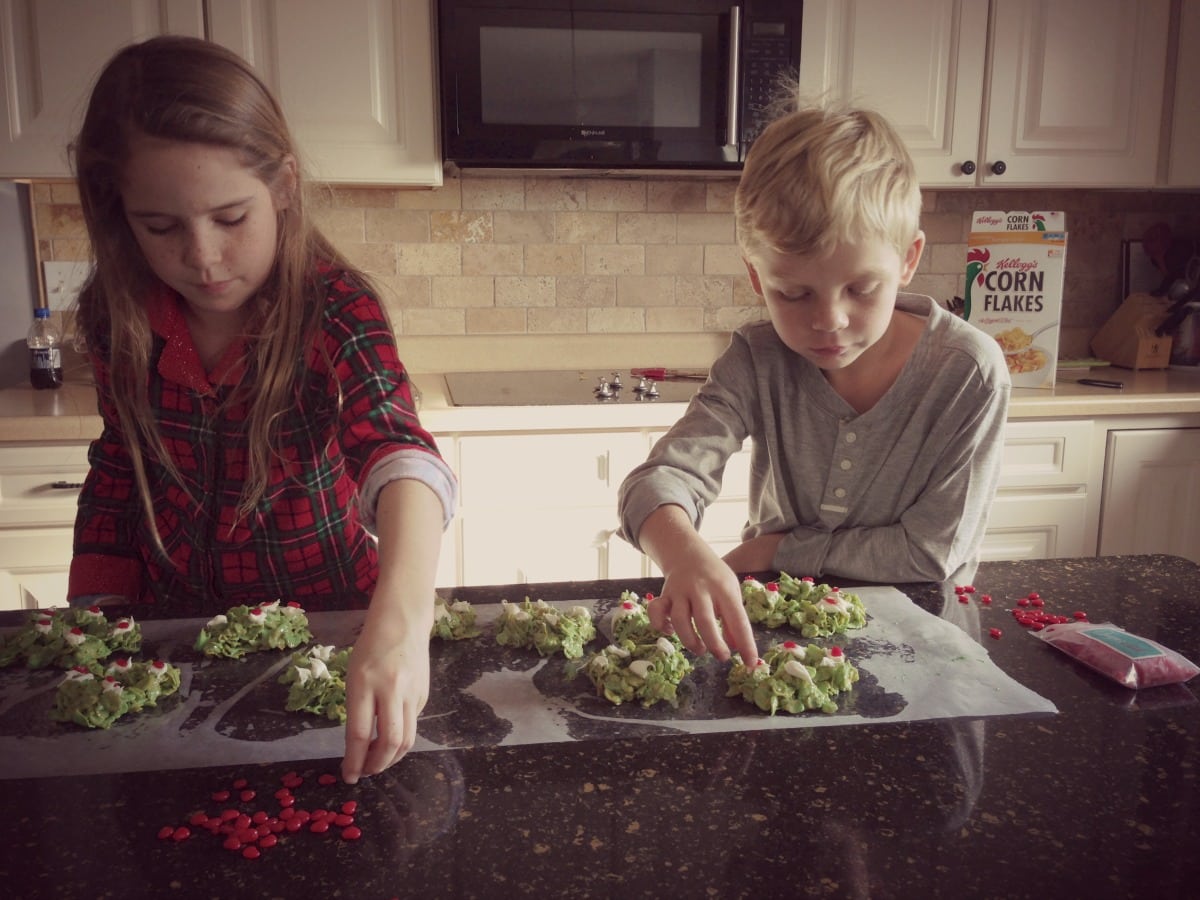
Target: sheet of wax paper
<point>913,666</point>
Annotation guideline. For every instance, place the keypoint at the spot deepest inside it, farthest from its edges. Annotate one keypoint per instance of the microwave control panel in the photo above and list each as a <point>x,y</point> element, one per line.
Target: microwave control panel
<point>770,45</point>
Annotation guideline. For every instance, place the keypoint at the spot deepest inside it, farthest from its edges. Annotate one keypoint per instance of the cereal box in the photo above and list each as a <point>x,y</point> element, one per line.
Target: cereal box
<point>1015,263</point>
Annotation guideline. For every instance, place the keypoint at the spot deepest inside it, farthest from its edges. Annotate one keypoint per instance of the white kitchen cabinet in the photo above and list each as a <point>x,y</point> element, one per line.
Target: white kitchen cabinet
<point>39,490</point>
<point>1073,95</point>
<point>1152,492</point>
<point>356,80</point>
<point>1042,508</point>
<point>543,507</point>
<point>50,54</point>
<point>1183,160</point>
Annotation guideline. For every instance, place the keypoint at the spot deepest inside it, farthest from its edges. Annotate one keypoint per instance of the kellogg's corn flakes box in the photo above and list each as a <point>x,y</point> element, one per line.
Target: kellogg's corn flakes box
<point>1015,264</point>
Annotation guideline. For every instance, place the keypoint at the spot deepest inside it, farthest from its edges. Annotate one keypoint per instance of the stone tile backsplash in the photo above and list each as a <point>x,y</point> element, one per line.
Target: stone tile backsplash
<point>518,255</point>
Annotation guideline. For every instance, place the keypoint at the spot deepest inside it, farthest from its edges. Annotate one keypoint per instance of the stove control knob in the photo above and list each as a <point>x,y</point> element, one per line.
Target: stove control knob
<point>615,383</point>
<point>642,387</point>
<point>651,391</point>
<point>603,390</point>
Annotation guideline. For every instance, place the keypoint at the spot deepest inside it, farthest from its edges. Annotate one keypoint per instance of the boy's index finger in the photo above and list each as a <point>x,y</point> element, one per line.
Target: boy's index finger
<point>740,635</point>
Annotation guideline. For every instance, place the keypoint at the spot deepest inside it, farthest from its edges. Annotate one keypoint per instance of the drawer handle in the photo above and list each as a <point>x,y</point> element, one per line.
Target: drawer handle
<point>66,485</point>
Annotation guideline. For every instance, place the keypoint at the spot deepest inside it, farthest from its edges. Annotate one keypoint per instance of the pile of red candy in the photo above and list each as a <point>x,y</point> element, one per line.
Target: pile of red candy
<point>251,831</point>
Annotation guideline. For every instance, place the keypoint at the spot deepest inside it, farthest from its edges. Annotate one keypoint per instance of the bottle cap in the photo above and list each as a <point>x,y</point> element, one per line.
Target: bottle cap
<point>42,312</point>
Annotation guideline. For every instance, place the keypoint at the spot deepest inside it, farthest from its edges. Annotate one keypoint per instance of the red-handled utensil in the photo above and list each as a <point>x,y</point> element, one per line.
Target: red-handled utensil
<point>660,374</point>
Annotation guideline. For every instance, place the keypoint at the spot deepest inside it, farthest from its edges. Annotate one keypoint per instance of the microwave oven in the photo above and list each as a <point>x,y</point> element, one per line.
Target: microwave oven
<point>612,84</point>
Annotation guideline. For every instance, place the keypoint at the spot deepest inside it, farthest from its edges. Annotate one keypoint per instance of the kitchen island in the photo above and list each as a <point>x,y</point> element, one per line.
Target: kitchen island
<point>1099,799</point>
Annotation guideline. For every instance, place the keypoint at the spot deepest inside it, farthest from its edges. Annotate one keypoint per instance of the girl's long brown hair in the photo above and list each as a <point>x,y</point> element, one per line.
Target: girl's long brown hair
<point>186,89</point>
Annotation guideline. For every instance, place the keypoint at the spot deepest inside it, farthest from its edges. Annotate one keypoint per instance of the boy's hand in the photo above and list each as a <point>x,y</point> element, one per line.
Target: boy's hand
<point>706,613</point>
<point>756,554</point>
<point>701,599</point>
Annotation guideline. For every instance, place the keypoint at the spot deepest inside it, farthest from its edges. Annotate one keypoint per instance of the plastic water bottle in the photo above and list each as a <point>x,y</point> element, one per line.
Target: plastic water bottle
<point>45,354</point>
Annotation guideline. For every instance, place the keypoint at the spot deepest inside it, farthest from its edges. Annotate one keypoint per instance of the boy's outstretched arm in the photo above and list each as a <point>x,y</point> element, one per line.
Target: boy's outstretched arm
<point>701,599</point>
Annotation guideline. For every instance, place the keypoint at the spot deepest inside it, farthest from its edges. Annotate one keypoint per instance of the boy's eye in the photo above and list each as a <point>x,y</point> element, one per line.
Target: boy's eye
<point>792,298</point>
<point>864,290</point>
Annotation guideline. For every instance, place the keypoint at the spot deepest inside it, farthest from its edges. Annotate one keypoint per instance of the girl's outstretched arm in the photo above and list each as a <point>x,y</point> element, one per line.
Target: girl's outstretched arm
<point>388,680</point>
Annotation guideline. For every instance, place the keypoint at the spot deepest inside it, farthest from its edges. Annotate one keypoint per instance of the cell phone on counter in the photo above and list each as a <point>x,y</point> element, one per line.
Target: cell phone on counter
<point>1100,382</point>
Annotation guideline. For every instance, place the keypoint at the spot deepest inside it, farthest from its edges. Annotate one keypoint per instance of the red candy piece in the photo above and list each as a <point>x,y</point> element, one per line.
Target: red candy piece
<point>349,807</point>
<point>319,826</point>
<point>996,633</point>
<point>835,651</point>
<point>963,598</point>
<point>985,598</point>
<point>251,852</point>
<point>773,586</point>
<point>351,833</point>
<point>327,779</point>
<point>232,843</point>
<point>1080,615</point>
<point>247,796</point>
<point>1034,595</point>
<point>165,832</point>
<point>220,796</point>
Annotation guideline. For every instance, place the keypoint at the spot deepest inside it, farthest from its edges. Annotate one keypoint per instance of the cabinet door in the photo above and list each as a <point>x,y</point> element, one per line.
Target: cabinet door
<point>543,507</point>
<point>932,91</point>
<point>1183,163</point>
<point>34,563</point>
<point>1041,508</point>
<point>1076,91</point>
<point>52,51</point>
<point>1152,493</point>
<point>355,79</point>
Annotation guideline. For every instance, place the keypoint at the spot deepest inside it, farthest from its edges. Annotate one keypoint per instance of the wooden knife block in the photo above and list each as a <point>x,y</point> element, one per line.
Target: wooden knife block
<point>1128,339</point>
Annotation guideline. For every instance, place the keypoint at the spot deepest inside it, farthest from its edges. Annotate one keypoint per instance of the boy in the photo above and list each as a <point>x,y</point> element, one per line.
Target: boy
<point>875,417</point>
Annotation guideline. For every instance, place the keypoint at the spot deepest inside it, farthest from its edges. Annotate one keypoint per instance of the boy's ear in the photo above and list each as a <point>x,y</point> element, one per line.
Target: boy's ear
<point>754,282</point>
<point>912,258</point>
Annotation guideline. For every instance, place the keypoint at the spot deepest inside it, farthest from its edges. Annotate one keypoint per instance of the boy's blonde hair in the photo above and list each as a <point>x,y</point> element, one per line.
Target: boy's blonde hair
<point>824,175</point>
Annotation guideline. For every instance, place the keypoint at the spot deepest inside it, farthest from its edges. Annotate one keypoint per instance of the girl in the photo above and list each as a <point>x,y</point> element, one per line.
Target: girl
<point>257,420</point>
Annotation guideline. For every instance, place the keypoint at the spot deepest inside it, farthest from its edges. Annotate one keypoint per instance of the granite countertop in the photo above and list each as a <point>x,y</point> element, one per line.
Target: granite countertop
<point>70,412</point>
<point>1099,799</point>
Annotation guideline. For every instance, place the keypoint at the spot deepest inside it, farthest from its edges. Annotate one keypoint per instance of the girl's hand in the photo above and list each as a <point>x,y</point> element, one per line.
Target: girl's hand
<point>387,685</point>
<point>387,682</point>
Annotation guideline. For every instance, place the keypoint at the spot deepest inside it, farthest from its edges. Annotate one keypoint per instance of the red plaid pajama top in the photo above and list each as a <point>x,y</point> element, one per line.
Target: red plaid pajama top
<point>305,540</point>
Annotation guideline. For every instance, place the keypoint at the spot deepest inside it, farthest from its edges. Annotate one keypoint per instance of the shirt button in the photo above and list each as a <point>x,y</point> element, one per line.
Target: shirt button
<point>851,437</point>
<point>845,465</point>
<point>839,492</point>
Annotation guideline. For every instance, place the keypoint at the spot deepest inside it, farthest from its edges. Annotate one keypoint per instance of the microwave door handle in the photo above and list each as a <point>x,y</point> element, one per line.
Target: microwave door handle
<point>735,63</point>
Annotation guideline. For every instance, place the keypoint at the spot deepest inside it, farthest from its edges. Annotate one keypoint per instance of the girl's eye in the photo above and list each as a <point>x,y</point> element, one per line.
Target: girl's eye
<point>159,229</point>
<point>232,223</point>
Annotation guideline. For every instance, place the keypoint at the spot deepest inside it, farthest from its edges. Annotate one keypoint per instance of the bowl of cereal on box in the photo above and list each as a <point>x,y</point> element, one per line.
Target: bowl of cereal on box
<point>1026,360</point>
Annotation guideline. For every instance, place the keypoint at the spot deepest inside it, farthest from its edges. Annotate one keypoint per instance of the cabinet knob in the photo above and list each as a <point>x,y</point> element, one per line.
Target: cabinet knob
<point>999,167</point>
<point>968,167</point>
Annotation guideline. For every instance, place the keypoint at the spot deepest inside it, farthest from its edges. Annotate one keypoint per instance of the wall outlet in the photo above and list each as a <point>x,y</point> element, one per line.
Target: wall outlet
<point>63,282</point>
